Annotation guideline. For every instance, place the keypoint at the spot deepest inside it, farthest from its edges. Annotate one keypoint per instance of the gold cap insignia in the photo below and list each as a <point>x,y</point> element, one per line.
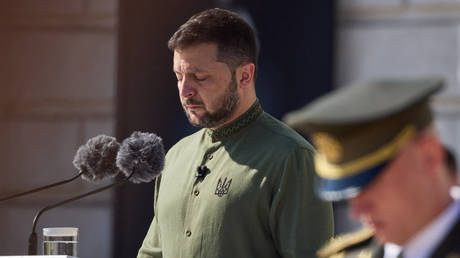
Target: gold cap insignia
<point>328,146</point>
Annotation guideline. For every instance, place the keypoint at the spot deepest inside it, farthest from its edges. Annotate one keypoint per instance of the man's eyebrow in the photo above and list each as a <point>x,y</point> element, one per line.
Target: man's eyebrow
<point>190,70</point>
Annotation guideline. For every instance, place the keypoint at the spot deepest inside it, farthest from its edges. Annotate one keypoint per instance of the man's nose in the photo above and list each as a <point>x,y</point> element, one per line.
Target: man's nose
<point>187,90</point>
<point>358,206</point>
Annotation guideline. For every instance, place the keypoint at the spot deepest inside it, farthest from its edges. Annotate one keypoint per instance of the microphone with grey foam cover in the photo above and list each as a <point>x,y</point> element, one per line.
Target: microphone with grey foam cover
<point>140,158</point>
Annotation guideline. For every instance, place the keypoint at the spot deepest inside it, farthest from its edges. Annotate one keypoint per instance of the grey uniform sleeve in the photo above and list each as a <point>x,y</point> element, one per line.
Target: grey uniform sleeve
<point>300,223</point>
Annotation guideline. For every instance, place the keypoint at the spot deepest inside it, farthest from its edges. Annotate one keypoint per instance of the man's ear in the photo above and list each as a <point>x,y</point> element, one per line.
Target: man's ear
<point>245,74</point>
<point>432,151</point>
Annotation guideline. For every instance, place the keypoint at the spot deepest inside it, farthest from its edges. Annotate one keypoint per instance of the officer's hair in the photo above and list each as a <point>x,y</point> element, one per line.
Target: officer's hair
<point>450,161</point>
<point>234,37</point>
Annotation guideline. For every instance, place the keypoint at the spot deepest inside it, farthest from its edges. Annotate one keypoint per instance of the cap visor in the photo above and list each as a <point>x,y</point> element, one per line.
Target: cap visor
<point>347,187</point>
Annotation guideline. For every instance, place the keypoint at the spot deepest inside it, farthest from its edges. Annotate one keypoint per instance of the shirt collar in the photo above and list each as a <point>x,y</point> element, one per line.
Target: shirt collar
<point>236,125</point>
<point>425,242</point>
<point>391,250</point>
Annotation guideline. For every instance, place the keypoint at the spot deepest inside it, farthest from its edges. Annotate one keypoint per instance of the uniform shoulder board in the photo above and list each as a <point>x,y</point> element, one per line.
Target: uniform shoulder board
<point>343,242</point>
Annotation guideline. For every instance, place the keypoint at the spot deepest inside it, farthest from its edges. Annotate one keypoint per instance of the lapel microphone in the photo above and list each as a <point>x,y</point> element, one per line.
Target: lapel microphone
<point>202,171</point>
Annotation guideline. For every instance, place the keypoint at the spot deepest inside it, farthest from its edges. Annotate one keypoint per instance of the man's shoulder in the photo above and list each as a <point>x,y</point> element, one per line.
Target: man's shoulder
<point>356,244</point>
<point>276,132</point>
<point>188,140</point>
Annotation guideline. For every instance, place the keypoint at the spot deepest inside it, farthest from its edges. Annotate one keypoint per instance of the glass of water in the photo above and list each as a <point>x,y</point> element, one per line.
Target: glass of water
<point>60,241</point>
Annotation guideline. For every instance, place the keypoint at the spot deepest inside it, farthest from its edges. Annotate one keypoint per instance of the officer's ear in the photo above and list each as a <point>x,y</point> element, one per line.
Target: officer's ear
<point>245,75</point>
<point>431,151</point>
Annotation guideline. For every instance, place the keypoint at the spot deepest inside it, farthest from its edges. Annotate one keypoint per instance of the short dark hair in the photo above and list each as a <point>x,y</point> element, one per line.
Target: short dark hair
<point>450,161</point>
<point>234,37</point>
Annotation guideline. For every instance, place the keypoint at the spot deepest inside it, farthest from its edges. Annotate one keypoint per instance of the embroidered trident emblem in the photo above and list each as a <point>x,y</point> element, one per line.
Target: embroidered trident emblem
<point>222,187</point>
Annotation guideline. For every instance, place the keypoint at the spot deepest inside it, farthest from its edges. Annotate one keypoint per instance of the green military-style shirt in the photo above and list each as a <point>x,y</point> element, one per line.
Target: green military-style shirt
<point>255,200</point>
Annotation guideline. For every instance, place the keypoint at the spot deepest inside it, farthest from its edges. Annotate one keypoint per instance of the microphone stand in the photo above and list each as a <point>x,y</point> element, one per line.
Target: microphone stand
<point>33,235</point>
<point>40,188</point>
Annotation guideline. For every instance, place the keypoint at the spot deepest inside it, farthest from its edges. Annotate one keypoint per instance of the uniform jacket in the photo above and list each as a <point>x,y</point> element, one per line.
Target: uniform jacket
<point>363,244</point>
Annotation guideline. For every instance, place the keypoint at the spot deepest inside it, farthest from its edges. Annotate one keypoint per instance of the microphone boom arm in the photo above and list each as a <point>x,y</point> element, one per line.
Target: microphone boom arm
<point>41,188</point>
<point>33,235</point>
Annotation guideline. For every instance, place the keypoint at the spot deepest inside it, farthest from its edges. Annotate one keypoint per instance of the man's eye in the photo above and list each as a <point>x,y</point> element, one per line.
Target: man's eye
<point>201,78</point>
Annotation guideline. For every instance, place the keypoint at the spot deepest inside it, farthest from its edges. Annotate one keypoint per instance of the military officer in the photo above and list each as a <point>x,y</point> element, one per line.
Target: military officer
<point>377,149</point>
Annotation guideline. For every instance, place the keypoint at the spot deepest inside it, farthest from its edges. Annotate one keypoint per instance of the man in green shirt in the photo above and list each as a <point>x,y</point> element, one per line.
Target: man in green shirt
<point>242,185</point>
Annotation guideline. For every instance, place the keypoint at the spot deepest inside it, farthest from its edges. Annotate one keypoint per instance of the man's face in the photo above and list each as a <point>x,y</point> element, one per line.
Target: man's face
<point>207,88</point>
<point>394,203</point>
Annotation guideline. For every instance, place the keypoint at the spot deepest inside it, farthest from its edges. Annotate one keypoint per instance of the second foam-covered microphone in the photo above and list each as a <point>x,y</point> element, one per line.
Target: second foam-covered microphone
<point>141,157</point>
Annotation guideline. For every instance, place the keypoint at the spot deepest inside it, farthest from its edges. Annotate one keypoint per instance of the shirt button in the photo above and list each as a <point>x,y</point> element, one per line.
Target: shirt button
<point>188,233</point>
<point>196,192</point>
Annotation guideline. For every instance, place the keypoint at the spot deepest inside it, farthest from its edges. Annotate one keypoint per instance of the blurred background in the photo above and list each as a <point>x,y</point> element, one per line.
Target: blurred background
<point>74,69</point>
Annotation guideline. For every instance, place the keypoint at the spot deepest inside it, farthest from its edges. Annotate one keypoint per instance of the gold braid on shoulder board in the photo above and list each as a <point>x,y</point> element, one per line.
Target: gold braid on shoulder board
<point>345,241</point>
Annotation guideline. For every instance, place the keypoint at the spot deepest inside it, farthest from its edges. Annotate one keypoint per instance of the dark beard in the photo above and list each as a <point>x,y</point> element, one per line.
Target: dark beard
<point>229,102</point>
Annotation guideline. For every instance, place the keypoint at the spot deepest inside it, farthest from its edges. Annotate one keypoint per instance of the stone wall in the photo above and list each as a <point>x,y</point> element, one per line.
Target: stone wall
<point>57,84</point>
<point>403,38</point>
